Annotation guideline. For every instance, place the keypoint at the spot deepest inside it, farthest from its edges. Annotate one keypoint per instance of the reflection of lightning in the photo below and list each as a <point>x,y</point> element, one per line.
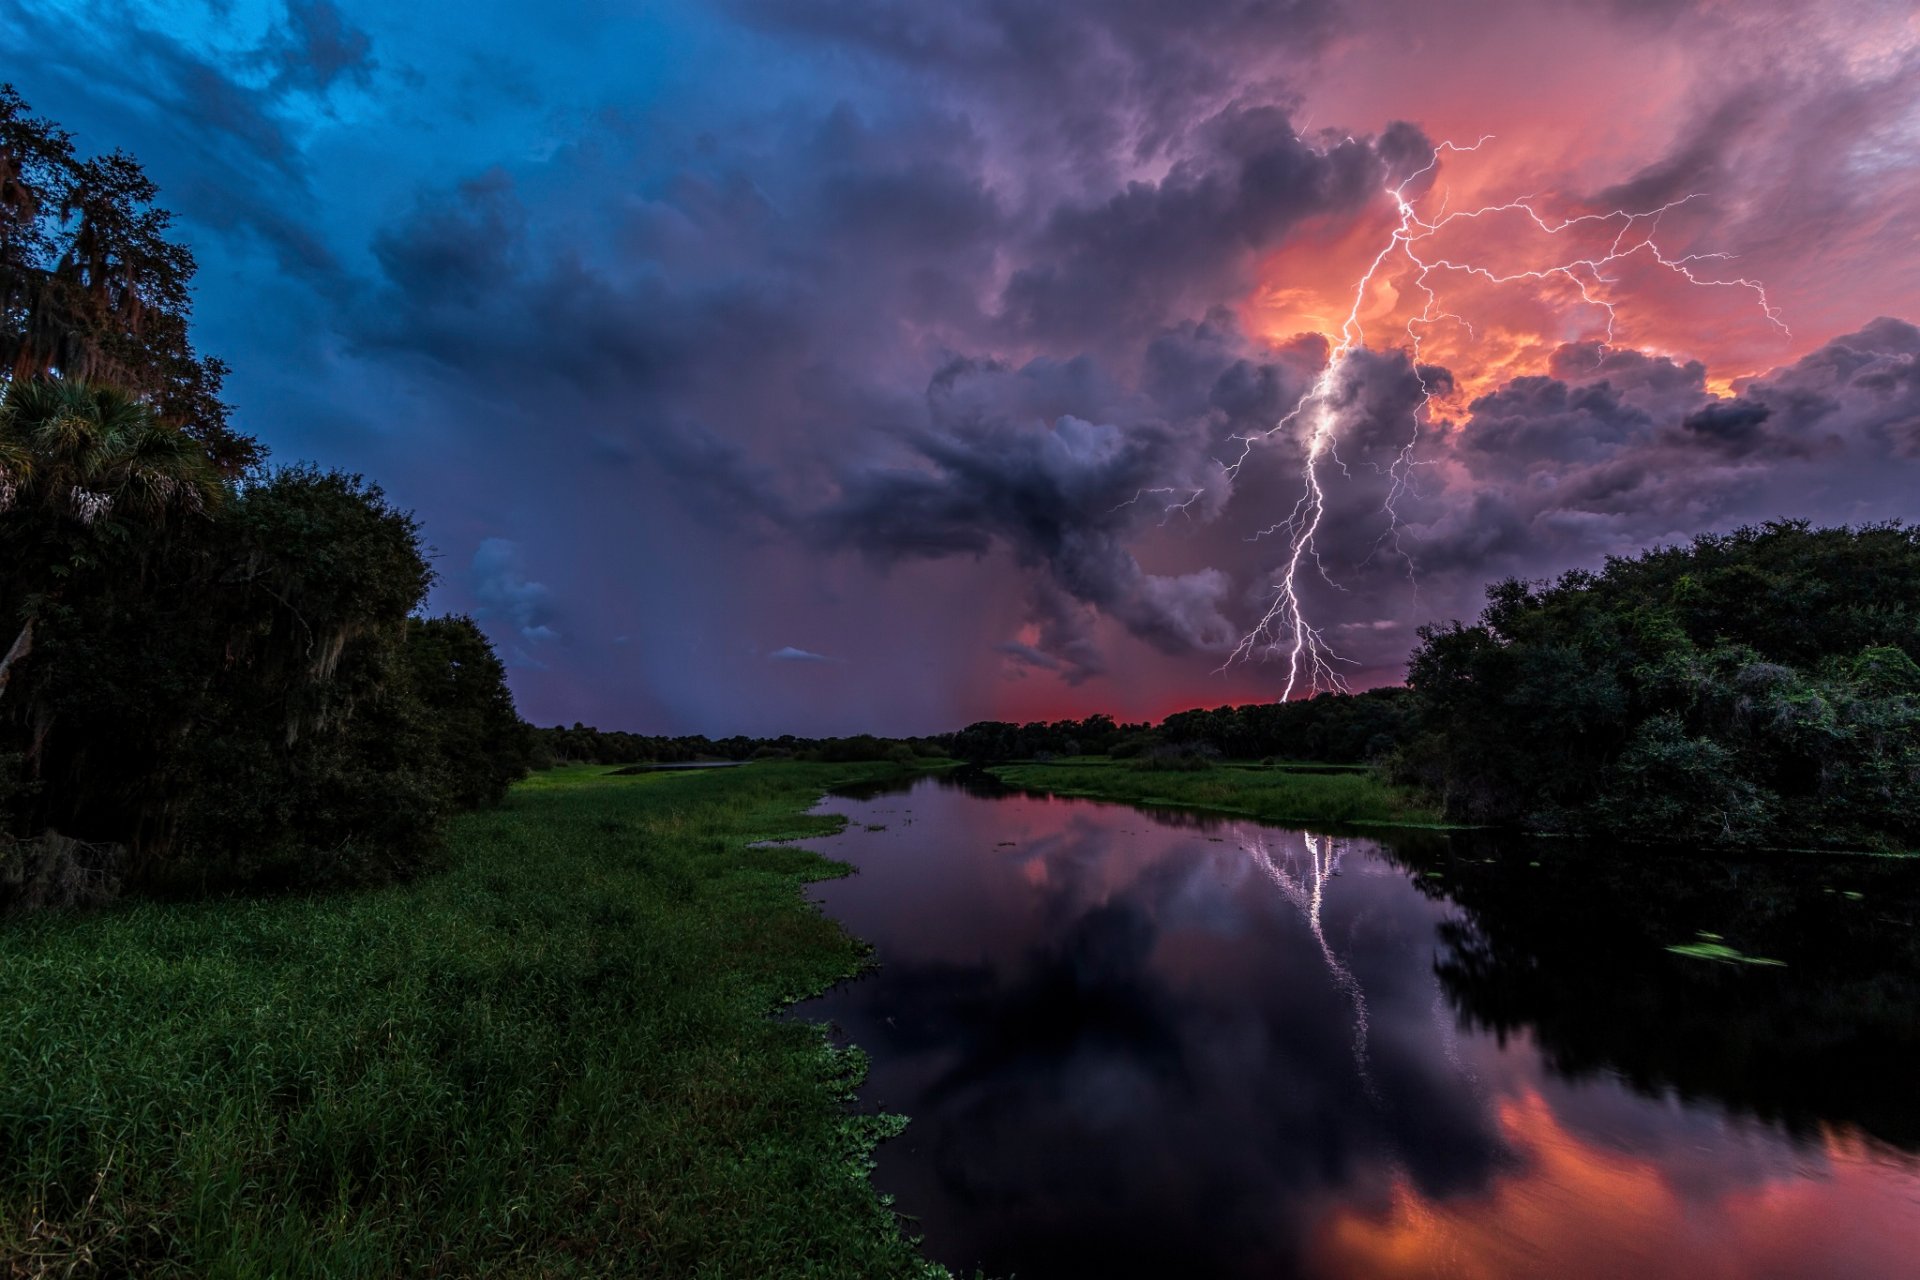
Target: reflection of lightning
<point>1284,627</point>
<point>1307,891</point>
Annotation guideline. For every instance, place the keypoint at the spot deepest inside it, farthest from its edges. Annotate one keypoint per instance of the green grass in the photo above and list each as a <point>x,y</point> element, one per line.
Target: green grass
<point>1270,795</point>
<point>554,1060</point>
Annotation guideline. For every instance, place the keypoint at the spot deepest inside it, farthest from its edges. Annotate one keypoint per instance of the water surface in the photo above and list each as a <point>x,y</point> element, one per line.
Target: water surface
<point>1139,1044</point>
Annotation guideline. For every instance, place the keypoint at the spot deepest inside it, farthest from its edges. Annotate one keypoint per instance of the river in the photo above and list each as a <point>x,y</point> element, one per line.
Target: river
<point>1147,1044</point>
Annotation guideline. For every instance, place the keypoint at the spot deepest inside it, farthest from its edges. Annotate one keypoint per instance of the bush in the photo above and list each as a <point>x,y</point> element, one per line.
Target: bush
<point>240,696</point>
<point>1751,688</point>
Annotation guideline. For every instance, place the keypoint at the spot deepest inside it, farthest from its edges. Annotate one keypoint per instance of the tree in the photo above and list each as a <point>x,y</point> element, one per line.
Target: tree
<point>483,745</point>
<point>93,289</point>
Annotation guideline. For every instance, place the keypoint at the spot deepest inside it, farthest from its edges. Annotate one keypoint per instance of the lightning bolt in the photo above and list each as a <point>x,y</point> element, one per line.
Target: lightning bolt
<point>1284,629</point>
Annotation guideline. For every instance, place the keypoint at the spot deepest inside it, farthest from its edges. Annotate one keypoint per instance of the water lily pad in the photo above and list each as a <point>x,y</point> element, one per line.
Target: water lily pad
<point>1722,952</point>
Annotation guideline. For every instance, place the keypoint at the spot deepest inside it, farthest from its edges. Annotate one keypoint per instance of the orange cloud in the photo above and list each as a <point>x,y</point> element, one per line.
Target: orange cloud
<point>1490,288</point>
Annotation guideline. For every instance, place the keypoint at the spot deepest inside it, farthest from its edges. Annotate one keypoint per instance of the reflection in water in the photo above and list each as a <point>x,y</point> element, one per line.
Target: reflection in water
<point>1135,1045</point>
<point>1308,891</point>
<point>1605,1212</point>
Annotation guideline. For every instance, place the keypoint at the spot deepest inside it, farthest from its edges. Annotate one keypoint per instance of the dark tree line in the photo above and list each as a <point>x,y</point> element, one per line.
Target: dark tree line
<point>992,741</point>
<point>1752,688</point>
<point>1333,728</point>
<point>582,744</point>
<point>212,674</point>
<point>1336,728</point>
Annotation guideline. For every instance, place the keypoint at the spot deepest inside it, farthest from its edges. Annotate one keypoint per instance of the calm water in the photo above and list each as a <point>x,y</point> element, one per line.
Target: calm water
<point>1141,1045</point>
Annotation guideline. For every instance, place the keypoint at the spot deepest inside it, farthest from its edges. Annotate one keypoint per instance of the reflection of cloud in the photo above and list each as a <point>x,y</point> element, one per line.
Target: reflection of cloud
<point>1099,1020</point>
<point>1098,1017</point>
<point>1575,1208</point>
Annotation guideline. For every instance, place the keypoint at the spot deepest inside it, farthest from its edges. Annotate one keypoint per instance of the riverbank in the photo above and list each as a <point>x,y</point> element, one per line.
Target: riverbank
<point>1268,794</point>
<point>555,1059</point>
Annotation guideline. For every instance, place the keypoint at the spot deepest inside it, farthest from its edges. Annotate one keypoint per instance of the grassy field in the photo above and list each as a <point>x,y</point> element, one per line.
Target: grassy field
<point>1268,794</point>
<point>555,1059</point>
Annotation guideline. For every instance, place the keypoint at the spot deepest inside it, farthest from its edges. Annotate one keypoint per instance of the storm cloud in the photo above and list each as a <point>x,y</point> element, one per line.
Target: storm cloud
<point>927,335</point>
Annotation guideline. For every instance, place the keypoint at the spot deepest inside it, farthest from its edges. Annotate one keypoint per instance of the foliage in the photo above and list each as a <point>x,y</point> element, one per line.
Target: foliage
<point>554,1060</point>
<point>91,287</point>
<point>211,675</point>
<point>1337,728</point>
<point>1750,688</point>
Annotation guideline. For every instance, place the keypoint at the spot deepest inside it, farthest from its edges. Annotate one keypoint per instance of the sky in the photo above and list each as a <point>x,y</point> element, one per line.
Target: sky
<point>885,365</point>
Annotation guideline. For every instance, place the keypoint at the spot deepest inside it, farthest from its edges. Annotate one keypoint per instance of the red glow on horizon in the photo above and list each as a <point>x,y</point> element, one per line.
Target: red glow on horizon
<point>1043,701</point>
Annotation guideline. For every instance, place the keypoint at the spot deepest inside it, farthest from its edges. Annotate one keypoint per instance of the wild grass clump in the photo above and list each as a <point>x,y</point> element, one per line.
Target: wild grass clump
<point>554,1060</point>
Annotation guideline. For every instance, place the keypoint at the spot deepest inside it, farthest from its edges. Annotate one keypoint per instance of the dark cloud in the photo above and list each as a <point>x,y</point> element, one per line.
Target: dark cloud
<point>458,247</point>
<point>317,47</point>
<point>1696,162</point>
<point>1064,642</point>
<point>1008,460</point>
<point>1097,83</point>
<point>225,151</point>
<point>914,329</point>
<point>1859,389</point>
<point>1549,473</point>
<point>1734,426</point>
<point>759,361</point>
<point>1155,252</point>
<point>506,595</point>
